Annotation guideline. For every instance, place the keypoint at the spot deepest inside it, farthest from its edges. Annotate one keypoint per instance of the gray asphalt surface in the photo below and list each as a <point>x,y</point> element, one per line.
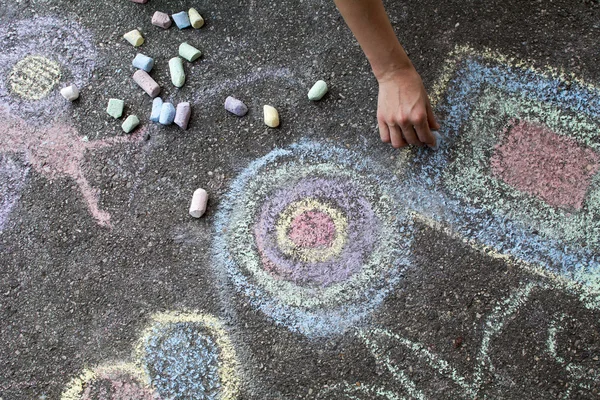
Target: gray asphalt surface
<point>75,295</point>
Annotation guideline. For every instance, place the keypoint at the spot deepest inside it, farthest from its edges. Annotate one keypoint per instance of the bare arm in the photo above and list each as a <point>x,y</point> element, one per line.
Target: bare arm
<point>404,113</point>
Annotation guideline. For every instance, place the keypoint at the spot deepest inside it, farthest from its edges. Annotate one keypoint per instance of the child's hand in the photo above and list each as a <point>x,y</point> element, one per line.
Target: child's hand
<point>404,113</point>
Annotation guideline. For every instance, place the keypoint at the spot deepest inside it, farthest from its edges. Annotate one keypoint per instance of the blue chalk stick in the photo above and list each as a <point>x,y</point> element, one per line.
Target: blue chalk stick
<point>167,114</point>
<point>182,20</point>
<point>143,62</point>
<point>156,108</point>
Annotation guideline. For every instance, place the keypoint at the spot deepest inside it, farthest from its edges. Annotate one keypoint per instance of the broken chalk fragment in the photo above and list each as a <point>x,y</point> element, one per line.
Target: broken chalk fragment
<point>134,37</point>
<point>161,19</point>
<point>189,52</point>
<point>235,106</point>
<point>199,200</point>
<point>115,108</point>
<point>182,115</point>
<point>130,123</point>
<point>140,1</point>
<point>271,116</point>
<point>182,20</point>
<point>70,93</point>
<point>177,72</point>
<point>156,107</point>
<point>195,18</point>
<point>143,62</point>
<point>438,140</point>
<point>167,114</point>
<point>317,91</point>
<point>146,82</point>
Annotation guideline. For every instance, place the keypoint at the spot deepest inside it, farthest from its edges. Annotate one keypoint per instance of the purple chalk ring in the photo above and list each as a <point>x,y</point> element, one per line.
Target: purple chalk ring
<point>235,106</point>
<point>182,115</point>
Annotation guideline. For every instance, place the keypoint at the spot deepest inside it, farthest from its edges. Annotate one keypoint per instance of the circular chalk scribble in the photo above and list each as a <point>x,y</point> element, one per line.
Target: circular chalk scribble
<point>33,77</point>
<point>315,236</point>
<point>189,356</point>
<point>37,54</point>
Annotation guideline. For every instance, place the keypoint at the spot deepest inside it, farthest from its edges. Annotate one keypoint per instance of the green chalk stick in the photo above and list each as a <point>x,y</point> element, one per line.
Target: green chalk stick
<point>130,123</point>
<point>177,73</point>
<point>317,91</point>
<point>115,108</point>
<point>189,52</point>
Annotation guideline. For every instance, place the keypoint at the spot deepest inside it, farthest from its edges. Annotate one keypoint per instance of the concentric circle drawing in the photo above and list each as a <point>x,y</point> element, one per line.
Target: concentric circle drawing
<point>37,53</point>
<point>189,356</point>
<point>315,236</point>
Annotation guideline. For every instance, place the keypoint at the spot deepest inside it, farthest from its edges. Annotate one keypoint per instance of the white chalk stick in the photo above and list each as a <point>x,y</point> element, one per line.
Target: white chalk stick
<point>198,206</point>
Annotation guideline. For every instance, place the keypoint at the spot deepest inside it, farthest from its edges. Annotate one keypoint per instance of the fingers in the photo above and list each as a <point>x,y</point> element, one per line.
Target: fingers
<point>396,136</point>
<point>424,133</point>
<point>431,120</point>
<point>384,132</point>
<point>408,131</point>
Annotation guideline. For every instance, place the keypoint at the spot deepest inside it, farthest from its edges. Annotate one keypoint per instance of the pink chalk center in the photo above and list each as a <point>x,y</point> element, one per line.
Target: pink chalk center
<point>312,229</point>
<point>117,388</point>
<point>535,160</point>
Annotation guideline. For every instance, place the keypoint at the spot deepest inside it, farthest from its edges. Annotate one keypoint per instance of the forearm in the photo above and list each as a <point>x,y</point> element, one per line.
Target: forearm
<point>370,25</point>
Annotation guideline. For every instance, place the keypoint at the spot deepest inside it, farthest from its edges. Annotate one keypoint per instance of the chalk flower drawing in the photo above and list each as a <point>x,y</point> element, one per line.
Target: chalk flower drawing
<point>179,356</point>
<point>314,235</point>
<point>518,170</point>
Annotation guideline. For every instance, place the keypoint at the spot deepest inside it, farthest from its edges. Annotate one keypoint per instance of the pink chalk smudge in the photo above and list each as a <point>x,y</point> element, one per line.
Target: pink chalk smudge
<point>57,150</point>
<point>312,229</point>
<point>118,386</point>
<point>535,160</point>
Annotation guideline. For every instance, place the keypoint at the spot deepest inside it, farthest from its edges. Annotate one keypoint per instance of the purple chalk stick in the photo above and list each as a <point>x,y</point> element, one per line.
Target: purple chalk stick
<point>182,115</point>
<point>235,106</point>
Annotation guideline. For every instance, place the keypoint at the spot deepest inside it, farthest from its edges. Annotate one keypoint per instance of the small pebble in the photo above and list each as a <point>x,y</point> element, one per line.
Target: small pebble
<point>115,108</point>
<point>146,82</point>
<point>317,91</point>
<point>271,116</point>
<point>161,19</point>
<point>70,93</point>
<point>198,206</point>
<point>189,52</point>
<point>182,20</point>
<point>235,106</point>
<point>156,107</point>
<point>195,18</point>
<point>130,123</point>
<point>167,114</point>
<point>134,37</point>
<point>182,115</point>
<point>177,72</point>
<point>143,62</point>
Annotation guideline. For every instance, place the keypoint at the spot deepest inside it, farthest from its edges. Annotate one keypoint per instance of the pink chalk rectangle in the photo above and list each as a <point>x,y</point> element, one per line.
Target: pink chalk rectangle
<point>535,160</point>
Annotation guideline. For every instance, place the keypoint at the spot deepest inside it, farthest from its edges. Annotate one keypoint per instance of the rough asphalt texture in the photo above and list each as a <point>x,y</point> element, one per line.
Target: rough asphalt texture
<point>74,295</point>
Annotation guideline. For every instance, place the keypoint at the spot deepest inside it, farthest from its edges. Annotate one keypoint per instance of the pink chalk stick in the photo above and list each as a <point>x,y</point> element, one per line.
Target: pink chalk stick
<point>146,82</point>
<point>140,1</point>
<point>161,19</point>
<point>182,115</point>
<point>555,168</point>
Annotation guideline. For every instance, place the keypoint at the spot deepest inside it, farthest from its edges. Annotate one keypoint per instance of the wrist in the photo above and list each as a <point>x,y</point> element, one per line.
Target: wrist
<point>392,71</point>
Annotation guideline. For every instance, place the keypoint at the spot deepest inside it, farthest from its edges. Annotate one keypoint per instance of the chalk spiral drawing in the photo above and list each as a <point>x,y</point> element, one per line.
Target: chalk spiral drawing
<point>12,179</point>
<point>179,356</point>
<point>314,236</point>
<point>518,169</point>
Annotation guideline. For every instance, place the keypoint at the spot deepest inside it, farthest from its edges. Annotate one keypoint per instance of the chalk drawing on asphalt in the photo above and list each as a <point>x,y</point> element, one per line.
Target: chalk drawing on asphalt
<point>315,236</point>
<point>12,178</point>
<point>37,54</point>
<point>382,342</point>
<point>179,356</point>
<point>518,171</point>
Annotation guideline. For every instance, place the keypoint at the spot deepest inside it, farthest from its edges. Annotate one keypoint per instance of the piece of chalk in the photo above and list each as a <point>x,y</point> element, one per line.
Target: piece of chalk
<point>317,91</point>
<point>143,62</point>
<point>195,18</point>
<point>130,123</point>
<point>156,107</point>
<point>177,72</point>
<point>134,37</point>
<point>271,116</point>
<point>115,108</point>
<point>70,92</point>
<point>438,140</point>
<point>140,1</point>
<point>161,19</point>
<point>167,114</point>
<point>182,115</point>
<point>199,200</point>
<point>189,52</point>
<point>182,20</point>
<point>146,82</point>
<point>235,106</point>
